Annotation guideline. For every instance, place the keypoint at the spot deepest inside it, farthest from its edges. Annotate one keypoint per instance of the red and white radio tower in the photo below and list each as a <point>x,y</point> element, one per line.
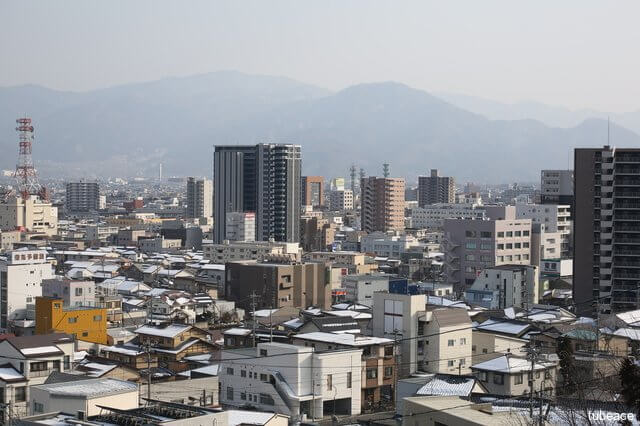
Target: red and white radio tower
<point>25,175</point>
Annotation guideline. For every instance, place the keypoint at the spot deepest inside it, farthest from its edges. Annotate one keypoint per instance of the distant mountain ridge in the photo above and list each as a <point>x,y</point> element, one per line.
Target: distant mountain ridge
<point>128,130</point>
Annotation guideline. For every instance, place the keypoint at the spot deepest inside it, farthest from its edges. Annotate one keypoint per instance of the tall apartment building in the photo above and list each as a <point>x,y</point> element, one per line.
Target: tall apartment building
<point>556,187</point>
<point>21,276</point>
<point>312,191</point>
<point>341,199</point>
<point>382,204</point>
<point>436,189</point>
<point>199,197</point>
<point>82,197</point>
<point>470,246</point>
<point>264,179</point>
<point>241,226</point>
<point>32,214</point>
<point>606,271</point>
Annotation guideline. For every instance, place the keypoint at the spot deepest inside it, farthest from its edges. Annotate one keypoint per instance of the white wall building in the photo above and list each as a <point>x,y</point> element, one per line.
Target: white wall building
<point>241,226</point>
<point>341,200</point>
<point>554,217</point>
<point>233,251</point>
<point>309,387</point>
<point>360,287</point>
<point>387,245</point>
<point>432,216</point>
<point>32,214</point>
<point>505,286</point>
<point>21,275</point>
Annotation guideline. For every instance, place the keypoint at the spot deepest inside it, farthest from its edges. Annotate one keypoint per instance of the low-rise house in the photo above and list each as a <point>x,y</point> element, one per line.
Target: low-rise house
<point>437,385</point>
<point>495,337</point>
<point>85,395</point>
<point>176,341</point>
<point>324,382</point>
<point>510,375</point>
<point>173,307</point>
<point>133,356</point>
<point>28,361</point>
<point>72,292</point>
<point>378,362</point>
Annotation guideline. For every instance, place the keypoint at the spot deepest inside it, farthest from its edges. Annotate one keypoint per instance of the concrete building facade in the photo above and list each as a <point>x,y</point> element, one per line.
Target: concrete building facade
<point>241,226</point>
<point>199,198</point>
<point>341,199</point>
<point>556,187</point>
<point>470,246</point>
<point>32,214</point>
<point>312,191</point>
<point>382,204</point>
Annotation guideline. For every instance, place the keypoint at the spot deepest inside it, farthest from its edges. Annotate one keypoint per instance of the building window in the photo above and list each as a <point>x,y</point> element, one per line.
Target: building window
<point>450,363</point>
<point>243,373</point>
<point>329,381</point>
<point>500,234</point>
<point>518,379</point>
<point>266,399</point>
<point>85,333</point>
<point>20,394</point>
<point>498,378</point>
<point>372,373</point>
<point>97,317</point>
<point>230,393</point>
<point>463,341</point>
<point>230,371</point>
<point>263,377</point>
<point>73,320</point>
<point>482,376</point>
<point>473,348</point>
<point>263,352</point>
<point>388,351</point>
<point>349,378</point>
<point>37,407</point>
<point>67,362</point>
<point>38,366</point>
<point>388,371</point>
<point>451,342</point>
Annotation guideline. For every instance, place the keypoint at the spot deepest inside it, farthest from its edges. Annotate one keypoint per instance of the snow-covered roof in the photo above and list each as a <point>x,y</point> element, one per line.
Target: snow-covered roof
<point>629,333</point>
<point>213,266</point>
<point>125,350</point>
<point>90,388</point>
<point>236,331</point>
<point>293,324</point>
<point>343,339</point>
<point>509,364</point>
<point>502,326</point>
<point>349,313</point>
<point>211,370</point>
<point>446,385</point>
<point>631,318</point>
<point>79,356</point>
<point>443,301</point>
<point>170,331</point>
<point>41,350</point>
<point>10,374</point>
<point>264,313</point>
<point>97,369</point>
<point>241,417</point>
<point>351,306</point>
<point>178,349</point>
<point>204,358</point>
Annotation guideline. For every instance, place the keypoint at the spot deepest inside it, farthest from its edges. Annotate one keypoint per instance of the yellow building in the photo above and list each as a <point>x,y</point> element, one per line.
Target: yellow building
<point>84,323</point>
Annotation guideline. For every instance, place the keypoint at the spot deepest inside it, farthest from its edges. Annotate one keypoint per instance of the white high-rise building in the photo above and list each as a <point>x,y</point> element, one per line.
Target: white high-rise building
<point>241,226</point>
<point>21,276</point>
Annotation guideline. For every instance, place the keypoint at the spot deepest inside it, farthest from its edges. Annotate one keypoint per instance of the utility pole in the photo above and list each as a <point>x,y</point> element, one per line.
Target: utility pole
<point>253,308</point>
<point>270,325</point>
<point>532,355</point>
<point>397,367</point>
<point>540,422</point>
<point>148,372</point>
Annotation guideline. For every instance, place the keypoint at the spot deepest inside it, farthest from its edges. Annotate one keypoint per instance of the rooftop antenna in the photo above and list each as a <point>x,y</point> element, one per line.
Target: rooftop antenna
<point>385,170</point>
<point>608,131</point>
<point>352,172</point>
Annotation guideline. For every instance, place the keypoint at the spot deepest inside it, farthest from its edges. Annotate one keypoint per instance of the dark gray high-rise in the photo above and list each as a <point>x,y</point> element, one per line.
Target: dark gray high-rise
<point>606,269</point>
<point>82,197</point>
<point>435,189</point>
<point>264,179</point>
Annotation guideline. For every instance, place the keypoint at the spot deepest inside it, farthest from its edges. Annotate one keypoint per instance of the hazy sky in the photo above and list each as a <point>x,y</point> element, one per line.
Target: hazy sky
<point>576,53</point>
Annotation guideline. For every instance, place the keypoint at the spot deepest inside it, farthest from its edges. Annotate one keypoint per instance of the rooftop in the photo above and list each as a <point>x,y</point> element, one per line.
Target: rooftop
<point>89,388</point>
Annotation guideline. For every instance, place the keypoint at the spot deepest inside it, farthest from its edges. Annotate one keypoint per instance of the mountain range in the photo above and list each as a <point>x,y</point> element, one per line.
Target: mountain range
<point>129,130</point>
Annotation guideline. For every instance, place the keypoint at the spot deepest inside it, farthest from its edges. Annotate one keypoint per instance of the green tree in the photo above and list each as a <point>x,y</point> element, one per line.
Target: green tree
<point>630,380</point>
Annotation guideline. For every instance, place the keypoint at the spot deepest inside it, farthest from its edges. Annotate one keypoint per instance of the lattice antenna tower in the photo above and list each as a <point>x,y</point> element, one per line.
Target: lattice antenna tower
<point>25,175</point>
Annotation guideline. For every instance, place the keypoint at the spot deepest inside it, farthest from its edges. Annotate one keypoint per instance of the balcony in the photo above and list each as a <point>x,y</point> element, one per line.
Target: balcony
<point>41,373</point>
<point>627,228</point>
